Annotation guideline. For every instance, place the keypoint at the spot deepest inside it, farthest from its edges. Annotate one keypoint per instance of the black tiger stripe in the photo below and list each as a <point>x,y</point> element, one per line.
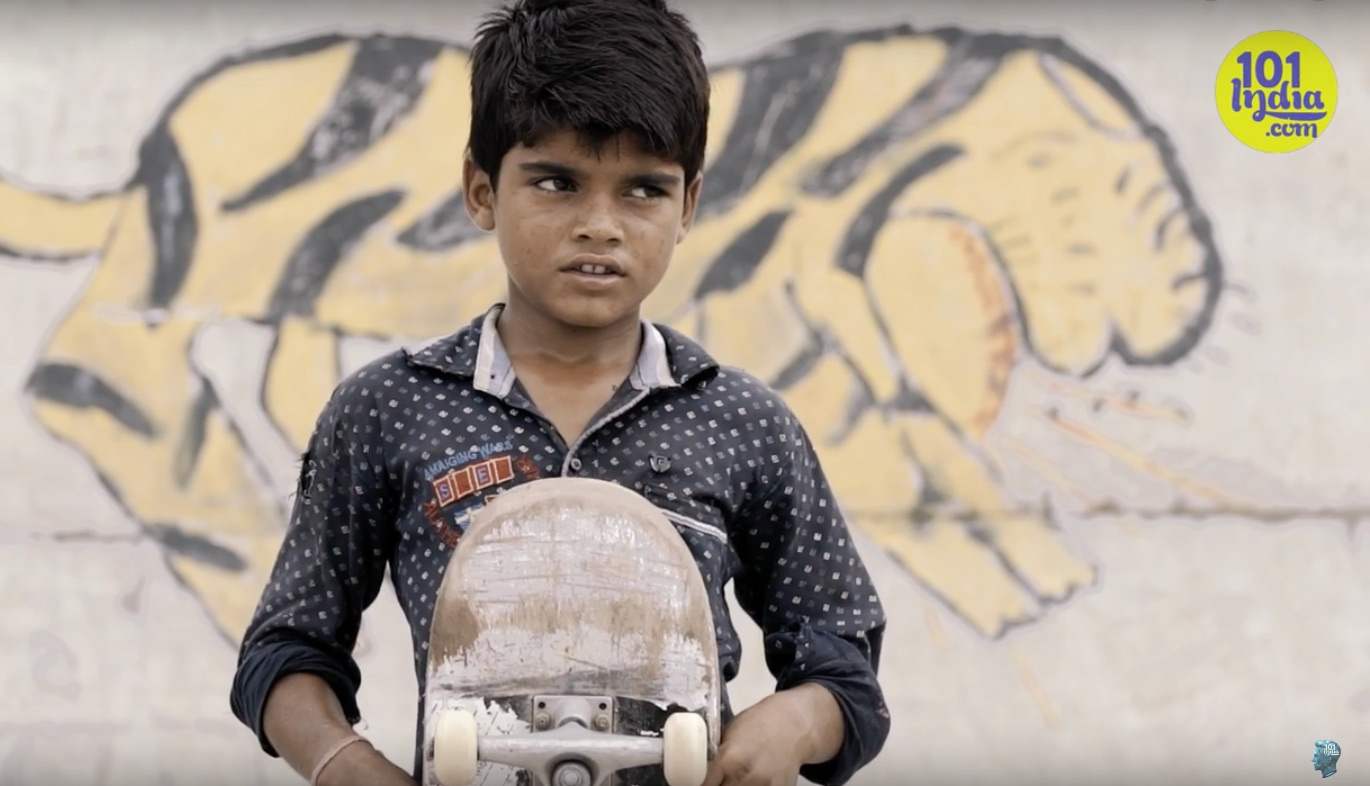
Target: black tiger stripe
<point>442,228</point>
<point>783,92</point>
<point>384,84</point>
<point>72,386</point>
<point>196,432</point>
<point>171,216</point>
<point>318,255</point>
<point>971,61</point>
<point>740,260</point>
<point>196,547</point>
<point>854,253</point>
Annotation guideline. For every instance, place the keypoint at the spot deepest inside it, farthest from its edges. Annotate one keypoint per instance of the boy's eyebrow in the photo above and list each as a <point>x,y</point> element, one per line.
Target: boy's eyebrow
<point>548,168</point>
<point>561,170</point>
<point>658,179</point>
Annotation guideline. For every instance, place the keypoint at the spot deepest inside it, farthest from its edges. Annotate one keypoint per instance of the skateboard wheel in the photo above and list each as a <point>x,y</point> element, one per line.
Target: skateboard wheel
<point>455,748</point>
<point>685,749</point>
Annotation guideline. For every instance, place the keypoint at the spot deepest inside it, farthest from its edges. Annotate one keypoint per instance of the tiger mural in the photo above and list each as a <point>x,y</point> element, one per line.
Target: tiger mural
<point>894,223</point>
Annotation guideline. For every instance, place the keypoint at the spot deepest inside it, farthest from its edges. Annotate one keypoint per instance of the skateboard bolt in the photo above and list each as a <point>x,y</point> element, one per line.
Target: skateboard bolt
<point>542,720</point>
<point>601,723</point>
<point>572,774</point>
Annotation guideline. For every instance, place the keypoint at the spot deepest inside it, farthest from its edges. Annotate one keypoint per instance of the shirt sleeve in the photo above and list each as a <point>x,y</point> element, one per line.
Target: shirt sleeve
<point>804,583</point>
<point>330,566</point>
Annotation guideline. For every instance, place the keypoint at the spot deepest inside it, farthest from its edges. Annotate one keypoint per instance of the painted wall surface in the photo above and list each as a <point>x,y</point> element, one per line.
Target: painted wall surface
<point>1087,374</point>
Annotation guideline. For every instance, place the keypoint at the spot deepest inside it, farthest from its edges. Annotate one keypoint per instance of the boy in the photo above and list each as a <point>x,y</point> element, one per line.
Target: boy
<point>587,139</point>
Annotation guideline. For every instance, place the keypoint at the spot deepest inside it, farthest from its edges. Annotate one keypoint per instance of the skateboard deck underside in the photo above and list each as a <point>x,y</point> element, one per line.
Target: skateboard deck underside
<point>571,587</point>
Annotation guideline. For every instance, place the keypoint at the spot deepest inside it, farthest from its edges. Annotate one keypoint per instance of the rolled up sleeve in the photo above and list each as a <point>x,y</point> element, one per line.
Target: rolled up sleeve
<point>806,586</point>
<point>330,566</point>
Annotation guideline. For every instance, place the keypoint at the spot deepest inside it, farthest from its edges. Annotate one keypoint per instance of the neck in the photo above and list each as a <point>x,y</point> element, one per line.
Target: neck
<point>530,336</point>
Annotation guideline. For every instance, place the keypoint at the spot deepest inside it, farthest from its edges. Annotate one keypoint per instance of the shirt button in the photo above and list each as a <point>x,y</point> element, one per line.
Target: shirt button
<point>575,464</point>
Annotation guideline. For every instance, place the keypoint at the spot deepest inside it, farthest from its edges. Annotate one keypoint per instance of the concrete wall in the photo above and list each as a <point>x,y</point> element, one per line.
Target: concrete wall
<point>1119,538</point>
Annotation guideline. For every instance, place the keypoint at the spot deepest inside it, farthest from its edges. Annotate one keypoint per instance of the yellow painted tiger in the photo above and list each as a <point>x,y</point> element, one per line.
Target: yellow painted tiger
<point>894,223</point>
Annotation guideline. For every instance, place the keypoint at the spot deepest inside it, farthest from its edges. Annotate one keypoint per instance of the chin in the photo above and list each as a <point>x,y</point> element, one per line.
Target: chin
<point>592,315</point>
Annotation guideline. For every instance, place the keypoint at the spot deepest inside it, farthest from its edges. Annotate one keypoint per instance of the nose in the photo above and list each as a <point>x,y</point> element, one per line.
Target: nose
<point>599,221</point>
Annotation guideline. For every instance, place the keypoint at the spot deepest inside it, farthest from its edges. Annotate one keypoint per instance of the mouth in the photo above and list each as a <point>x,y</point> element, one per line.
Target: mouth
<point>595,266</point>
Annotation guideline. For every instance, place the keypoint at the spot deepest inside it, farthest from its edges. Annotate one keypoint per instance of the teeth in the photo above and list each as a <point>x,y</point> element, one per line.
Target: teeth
<point>598,270</point>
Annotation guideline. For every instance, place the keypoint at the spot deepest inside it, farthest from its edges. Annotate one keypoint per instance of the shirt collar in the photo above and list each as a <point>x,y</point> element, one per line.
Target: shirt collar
<point>667,358</point>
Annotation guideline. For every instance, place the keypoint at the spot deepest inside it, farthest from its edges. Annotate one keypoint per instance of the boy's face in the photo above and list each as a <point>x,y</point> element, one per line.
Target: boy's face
<point>586,235</point>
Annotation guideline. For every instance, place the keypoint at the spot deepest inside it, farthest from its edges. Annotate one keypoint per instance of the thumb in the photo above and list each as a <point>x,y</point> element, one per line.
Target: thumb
<point>715,775</point>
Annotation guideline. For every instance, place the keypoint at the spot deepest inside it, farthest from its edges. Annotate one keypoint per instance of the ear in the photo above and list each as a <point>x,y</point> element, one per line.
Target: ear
<point>478,191</point>
<point>691,206</point>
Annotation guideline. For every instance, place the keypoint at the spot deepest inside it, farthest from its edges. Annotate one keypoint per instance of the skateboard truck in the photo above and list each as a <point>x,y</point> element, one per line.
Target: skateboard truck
<point>571,745</point>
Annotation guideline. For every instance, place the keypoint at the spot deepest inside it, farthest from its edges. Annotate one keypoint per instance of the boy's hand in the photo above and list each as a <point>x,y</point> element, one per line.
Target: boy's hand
<point>769,742</point>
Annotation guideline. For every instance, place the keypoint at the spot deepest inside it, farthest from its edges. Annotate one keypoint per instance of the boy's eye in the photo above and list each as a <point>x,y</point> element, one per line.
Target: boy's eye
<point>561,183</point>
<point>558,183</point>
<point>646,192</point>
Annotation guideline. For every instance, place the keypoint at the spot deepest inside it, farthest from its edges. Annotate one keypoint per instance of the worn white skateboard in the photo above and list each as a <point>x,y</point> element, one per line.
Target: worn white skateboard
<point>572,644</point>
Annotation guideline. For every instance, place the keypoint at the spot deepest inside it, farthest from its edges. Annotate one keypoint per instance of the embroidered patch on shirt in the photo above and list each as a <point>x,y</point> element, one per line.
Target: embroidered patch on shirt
<point>459,484</point>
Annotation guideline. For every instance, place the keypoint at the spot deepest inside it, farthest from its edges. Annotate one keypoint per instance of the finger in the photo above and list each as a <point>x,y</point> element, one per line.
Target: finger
<point>715,774</point>
<point>734,768</point>
<point>727,768</point>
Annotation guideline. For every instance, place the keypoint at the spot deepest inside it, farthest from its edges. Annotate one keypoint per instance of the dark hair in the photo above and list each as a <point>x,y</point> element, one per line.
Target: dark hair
<point>599,68</point>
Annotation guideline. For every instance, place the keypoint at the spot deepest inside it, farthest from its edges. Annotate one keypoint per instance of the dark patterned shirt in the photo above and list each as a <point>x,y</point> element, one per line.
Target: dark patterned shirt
<point>411,444</point>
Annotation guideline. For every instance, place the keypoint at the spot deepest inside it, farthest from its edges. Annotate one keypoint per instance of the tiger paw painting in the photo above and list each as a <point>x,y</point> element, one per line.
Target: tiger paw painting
<point>897,226</point>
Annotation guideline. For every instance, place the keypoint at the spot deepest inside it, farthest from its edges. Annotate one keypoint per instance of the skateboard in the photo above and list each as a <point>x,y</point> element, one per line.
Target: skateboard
<point>572,644</point>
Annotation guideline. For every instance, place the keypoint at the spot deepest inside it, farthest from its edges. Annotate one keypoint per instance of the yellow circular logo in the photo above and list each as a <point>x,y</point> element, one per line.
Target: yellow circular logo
<point>1276,91</point>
